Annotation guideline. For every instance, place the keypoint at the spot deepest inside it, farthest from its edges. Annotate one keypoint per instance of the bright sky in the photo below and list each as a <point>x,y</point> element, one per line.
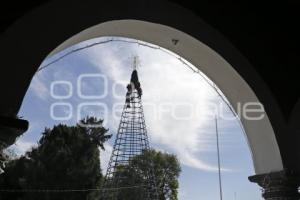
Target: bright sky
<point>177,106</point>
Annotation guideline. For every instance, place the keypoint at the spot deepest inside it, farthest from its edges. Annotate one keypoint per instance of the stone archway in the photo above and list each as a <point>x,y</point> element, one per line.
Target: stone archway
<point>263,145</point>
<point>31,38</point>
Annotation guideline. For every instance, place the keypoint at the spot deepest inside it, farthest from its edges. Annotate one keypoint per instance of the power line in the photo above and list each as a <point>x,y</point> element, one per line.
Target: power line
<point>95,44</point>
<point>219,161</point>
<point>66,190</point>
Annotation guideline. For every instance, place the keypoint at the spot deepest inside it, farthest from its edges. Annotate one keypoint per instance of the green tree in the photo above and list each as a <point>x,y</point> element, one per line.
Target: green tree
<point>165,168</point>
<point>66,158</point>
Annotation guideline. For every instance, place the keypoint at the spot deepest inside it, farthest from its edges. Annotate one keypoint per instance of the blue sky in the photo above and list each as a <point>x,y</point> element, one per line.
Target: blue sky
<point>178,106</point>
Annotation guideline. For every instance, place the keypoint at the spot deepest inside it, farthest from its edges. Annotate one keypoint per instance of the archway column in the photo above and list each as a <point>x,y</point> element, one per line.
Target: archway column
<point>281,185</point>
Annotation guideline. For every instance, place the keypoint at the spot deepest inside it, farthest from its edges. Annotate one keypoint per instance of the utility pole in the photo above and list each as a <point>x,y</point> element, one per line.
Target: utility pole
<point>219,162</point>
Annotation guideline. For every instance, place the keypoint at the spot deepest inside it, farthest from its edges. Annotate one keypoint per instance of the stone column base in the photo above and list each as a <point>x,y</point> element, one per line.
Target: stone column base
<point>282,185</point>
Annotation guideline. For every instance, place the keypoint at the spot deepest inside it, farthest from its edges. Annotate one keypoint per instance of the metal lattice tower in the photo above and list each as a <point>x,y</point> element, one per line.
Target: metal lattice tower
<point>131,141</point>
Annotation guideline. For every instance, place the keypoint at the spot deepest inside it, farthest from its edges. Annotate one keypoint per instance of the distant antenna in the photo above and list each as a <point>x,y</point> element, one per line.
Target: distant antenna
<point>219,162</point>
<point>136,62</point>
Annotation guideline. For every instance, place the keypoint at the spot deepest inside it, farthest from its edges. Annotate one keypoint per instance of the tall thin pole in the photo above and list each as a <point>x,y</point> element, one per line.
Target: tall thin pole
<point>136,62</point>
<point>219,162</point>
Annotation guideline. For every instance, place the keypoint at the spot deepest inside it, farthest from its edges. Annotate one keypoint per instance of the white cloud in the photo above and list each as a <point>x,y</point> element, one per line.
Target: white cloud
<point>38,86</point>
<point>165,81</point>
